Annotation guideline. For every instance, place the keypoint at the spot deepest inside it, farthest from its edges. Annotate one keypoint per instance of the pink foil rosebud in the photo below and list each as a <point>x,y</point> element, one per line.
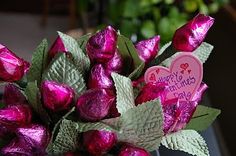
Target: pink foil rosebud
<point>128,150</point>
<point>58,46</point>
<point>56,96</point>
<point>99,78</point>
<point>19,147</point>
<point>36,135</point>
<point>152,91</point>
<point>14,116</point>
<point>177,114</point>
<point>99,142</point>
<point>188,37</point>
<point>147,49</point>
<point>115,64</point>
<point>102,45</point>
<point>94,104</point>
<point>12,95</point>
<point>12,67</point>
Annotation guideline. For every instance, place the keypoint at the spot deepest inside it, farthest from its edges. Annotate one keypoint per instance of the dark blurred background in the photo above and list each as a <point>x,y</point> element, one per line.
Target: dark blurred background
<point>25,23</point>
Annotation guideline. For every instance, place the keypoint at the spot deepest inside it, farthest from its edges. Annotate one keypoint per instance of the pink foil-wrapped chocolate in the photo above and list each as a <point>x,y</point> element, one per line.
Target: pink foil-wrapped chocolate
<point>94,104</point>
<point>185,113</point>
<point>14,116</point>
<point>188,37</point>
<point>129,150</point>
<point>58,46</point>
<point>152,91</point>
<point>56,96</point>
<point>170,109</point>
<point>12,95</point>
<point>102,45</point>
<point>147,49</point>
<point>99,78</point>
<point>98,142</point>
<point>177,114</point>
<point>199,93</point>
<point>19,147</point>
<point>36,135</point>
<point>12,67</point>
<point>115,64</point>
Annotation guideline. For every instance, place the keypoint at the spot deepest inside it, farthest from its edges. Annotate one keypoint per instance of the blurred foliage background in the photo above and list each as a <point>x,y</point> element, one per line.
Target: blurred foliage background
<point>140,19</point>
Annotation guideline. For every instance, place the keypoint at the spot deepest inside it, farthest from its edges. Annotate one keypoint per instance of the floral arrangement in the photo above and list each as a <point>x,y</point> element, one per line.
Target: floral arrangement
<point>97,95</point>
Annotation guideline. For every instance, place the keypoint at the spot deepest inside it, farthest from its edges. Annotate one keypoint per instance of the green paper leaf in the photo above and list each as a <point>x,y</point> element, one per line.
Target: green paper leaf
<point>64,71</point>
<point>124,93</point>
<point>39,62</point>
<point>137,72</point>
<point>32,94</point>
<point>202,53</point>
<point>79,58</point>
<point>82,41</point>
<point>50,149</point>
<point>142,125</point>
<point>202,118</point>
<point>186,140</point>
<point>67,138</point>
<point>129,54</point>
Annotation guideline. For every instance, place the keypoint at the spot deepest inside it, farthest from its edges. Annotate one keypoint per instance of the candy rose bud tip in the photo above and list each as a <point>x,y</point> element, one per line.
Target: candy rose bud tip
<point>94,104</point>
<point>57,46</point>
<point>148,49</point>
<point>99,78</point>
<point>56,96</point>
<point>102,45</point>
<point>128,150</point>
<point>14,116</point>
<point>36,135</point>
<point>12,68</point>
<point>98,142</point>
<point>190,36</point>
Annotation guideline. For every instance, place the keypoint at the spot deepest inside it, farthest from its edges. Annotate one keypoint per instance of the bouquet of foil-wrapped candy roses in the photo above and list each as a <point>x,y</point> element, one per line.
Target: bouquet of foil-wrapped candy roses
<point>102,95</point>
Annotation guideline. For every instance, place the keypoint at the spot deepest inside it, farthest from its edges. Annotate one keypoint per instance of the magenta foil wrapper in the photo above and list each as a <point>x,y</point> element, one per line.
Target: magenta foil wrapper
<point>115,64</point>
<point>148,49</point>
<point>189,37</point>
<point>56,96</point>
<point>94,104</point>
<point>129,150</point>
<point>152,91</point>
<point>36,135</point>
<point>12,95</point>
<point>14,116</point>
<point>100,78</point>
<point>57,47</point>
<point>12,68</point>
<point>99,142</point>
<point>102,45</point>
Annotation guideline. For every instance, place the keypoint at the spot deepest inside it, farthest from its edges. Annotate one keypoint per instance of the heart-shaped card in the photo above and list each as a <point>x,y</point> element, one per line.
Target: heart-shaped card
<point>183,77</point>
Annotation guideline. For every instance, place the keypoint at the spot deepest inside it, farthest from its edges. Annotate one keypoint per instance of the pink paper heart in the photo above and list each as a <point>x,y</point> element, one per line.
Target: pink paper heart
<point>182,83</point>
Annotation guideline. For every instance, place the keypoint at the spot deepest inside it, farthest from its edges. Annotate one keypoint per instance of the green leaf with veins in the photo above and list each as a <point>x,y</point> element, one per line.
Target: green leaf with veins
<point>64,71</point>
<point>186,140</point>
